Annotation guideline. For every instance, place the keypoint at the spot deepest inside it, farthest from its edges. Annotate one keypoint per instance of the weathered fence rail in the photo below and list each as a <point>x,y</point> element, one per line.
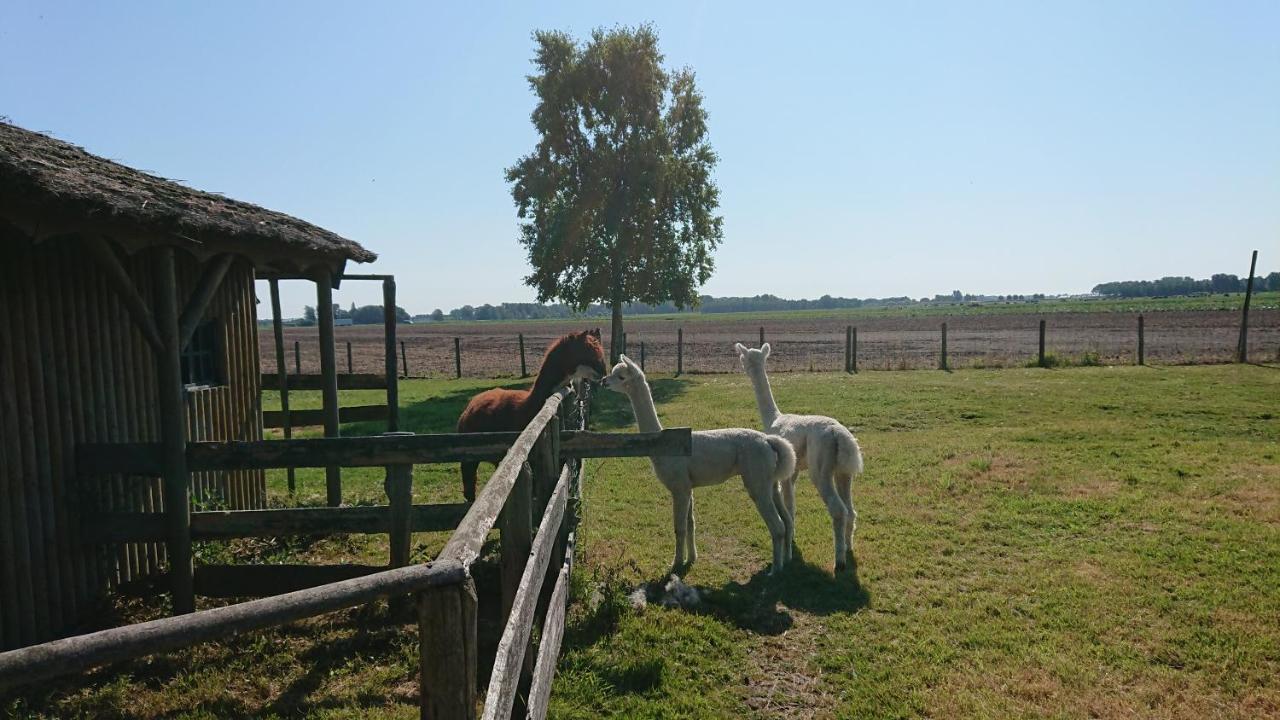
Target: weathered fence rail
<point>539,472</point>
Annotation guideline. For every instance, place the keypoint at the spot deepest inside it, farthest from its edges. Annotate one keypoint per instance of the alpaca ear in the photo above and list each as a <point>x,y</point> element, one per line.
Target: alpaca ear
<point>742,349</point>
<point>627,360</point>
<point>765,349</point>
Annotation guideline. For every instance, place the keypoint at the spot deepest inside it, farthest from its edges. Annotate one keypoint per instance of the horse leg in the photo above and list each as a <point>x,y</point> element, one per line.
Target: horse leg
<point>469,480</point>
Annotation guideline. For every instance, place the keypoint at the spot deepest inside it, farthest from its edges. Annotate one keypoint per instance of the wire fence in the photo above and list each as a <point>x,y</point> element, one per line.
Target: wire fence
<point>706,346</point>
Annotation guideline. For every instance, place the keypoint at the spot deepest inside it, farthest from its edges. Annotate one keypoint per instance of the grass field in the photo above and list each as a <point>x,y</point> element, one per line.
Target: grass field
<point>1032,543</point>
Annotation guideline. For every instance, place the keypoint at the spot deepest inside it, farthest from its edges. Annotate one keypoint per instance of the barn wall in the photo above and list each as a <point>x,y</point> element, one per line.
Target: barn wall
<point>74,369</point>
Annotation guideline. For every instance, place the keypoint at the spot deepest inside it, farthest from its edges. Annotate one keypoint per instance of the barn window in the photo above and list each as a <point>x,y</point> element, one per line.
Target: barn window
<point>200,358</point>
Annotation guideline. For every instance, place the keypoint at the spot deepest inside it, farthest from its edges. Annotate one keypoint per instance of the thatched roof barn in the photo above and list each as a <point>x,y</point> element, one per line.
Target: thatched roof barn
<point>129,315</point>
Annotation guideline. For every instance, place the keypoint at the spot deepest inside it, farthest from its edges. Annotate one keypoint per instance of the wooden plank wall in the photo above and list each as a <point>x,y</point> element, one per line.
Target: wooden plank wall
<point>74,369</point>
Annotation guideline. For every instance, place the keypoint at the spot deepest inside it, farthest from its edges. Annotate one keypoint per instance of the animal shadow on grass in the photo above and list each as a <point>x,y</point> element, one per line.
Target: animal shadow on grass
<point>762,605</point>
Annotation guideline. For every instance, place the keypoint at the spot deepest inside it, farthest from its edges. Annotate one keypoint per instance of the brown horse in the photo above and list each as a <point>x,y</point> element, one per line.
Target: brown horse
<point>576,355</point>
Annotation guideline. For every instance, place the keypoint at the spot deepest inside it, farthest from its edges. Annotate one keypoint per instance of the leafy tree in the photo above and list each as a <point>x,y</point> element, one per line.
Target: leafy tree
<point>616,201</point>
<point>1272,281</point>
<point>308,315</point>
<point>437,315</point>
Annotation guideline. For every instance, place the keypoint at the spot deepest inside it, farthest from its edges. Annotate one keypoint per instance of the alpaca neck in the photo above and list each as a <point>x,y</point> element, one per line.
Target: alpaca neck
<point>764,399</point>
<point>642,406</point>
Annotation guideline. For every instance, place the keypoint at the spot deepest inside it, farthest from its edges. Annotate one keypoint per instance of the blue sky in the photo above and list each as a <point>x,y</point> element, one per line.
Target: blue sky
<point>867,149</point>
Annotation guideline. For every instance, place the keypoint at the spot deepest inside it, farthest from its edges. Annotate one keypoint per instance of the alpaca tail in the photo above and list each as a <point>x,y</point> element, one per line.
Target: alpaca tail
<point>848,453</point>
<point>785,466</point>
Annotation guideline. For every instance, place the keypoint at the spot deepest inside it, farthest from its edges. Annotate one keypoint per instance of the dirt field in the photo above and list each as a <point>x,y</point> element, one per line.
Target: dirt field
<point>491,349</point>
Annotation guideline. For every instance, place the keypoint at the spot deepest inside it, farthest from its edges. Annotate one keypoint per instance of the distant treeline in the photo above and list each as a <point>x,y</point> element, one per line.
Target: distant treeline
<point>709,304</point>
<point>1220,283</point>
<point>363,315</point>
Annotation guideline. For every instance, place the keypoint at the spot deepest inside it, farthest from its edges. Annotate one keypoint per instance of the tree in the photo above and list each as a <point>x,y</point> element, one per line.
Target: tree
<point>308,315</point>
<point>616,201</point>
<point>437,315</point>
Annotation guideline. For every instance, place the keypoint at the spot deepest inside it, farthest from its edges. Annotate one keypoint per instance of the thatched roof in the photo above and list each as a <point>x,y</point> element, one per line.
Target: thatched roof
<point>55,183</point>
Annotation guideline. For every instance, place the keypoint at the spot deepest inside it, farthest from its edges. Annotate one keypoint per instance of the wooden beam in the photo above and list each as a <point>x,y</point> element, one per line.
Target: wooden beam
<point>389,353</point>
<point>466,542</point>
<point>356,381</point>
<point>173,431</point>
<point>329,379</point>
<point>120,527</point>
<point>306,418</point>
<point>515,636</point>
<point>544,671</point>
<point>447,652</point>
<point>124,286</point>
<point>34,664</point>
<point>144,458</point>
<point>210,281</point>
<point>232,581</point>
<point>277,328</point>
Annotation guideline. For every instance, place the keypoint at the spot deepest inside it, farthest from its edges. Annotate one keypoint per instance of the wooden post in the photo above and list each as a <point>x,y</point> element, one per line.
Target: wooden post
<point>1242,348</point>
<point>349,370</point>
<point>848,346</point>
<point>1040,362</point>
<point>173,430</point>
<point>524,369</point>
<point>447,652</point>
<point>404,359</point>
<point>399,487</point>
<point>516,523</point>
<point>641,355</point>
<point>853,350</point>
<point>943,365</point>
<point>624,344</point>
<point>457,357</point>
<point>297,358</point>
<point>389,323</point>
<point>329,378</point>
<point>1141,342</point>
<point>283,378</point>
<point>761,336</point>
<point>679,350</point>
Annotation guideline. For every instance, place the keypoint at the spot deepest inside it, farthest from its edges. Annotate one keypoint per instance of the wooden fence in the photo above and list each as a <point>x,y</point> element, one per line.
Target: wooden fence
<point>539,475</point>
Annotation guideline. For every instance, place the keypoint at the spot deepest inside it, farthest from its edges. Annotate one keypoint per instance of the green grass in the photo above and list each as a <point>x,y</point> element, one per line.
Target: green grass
<point>1032,543</point>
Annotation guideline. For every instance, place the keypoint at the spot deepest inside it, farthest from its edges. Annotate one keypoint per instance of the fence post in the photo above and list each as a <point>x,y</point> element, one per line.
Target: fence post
<point>1040,362</point>
<point>389,321</point>
<point>679,350</point>
<point>761,336</point>
<point>297,358</point>
<point>404,359</point>
<point>1141,342</point>
<point>329,377</point>
<point>1242,349</point>
<point>447,651</point>
<point>848,345</point>
<point>399,487</point>
<point>517,536</point>
<point>348,357</point>
<point>624,344</point>
<point>457,356</point>
<point>943,365</point>
<point>853,351</point>
<point>524,369</point>
<point>642,355</point>
<point>282,375</point>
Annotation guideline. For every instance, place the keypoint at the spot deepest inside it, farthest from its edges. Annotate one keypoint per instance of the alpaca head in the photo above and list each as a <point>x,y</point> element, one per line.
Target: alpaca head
<point>752,359</point>
<point>576,356</point>
<point>626,377</point>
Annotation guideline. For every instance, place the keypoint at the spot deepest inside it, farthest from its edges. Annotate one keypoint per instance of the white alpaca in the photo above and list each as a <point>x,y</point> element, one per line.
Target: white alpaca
<point>762,460</point>
<point>822,444</point>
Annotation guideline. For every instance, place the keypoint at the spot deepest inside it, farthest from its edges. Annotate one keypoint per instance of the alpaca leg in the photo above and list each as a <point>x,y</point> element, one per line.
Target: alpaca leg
<point>844,483</point>
<point>692,545</point>
<point>680,502</point>
<point>469,480</point>
<point>789,502</point>
<point>780,494</point>
<point>823,480</point>
<point>762,493</point>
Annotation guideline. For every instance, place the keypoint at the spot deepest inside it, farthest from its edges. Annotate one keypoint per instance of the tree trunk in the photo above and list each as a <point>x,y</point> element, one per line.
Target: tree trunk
<point>615,333</point>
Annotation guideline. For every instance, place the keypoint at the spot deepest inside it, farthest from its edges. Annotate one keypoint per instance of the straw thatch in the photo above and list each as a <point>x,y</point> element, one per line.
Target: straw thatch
<point>51,179</point>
